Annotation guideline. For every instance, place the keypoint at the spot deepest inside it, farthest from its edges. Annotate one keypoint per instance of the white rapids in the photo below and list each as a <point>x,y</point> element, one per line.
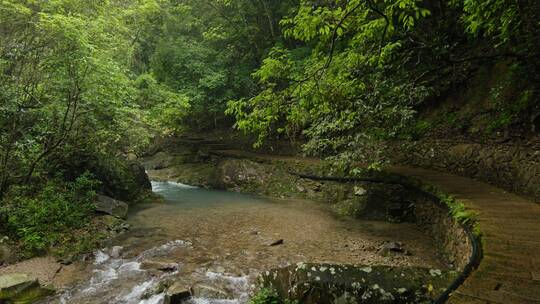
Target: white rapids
<point>118,280</point>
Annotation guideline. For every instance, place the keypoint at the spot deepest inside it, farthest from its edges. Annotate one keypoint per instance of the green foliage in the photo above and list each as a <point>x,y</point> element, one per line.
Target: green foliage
<point>67,105</point>
<point>512,27</point>
<point>84,83</point>
<point>164,109</point>
<point>269,296</point>
<point>64,81</point>
<point>505,20</point>
<point>205,51</point>
<point>335,98</point>
<point>512,101</point>
<point>41,218</point>
<point>457,209</point>
<point>354,72</point>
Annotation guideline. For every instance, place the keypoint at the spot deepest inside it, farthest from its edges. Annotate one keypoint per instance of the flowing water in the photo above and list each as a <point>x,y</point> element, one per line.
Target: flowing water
<point>217,242</point>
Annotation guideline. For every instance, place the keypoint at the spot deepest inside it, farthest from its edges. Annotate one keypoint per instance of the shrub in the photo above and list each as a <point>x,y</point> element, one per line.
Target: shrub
<point>269,296</point>
<point>39,218</point>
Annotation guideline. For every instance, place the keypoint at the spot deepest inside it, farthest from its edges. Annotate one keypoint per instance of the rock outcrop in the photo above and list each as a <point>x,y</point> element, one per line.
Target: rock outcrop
<point>140,176</point>
<point>327,283</point>
<point>108,205</point>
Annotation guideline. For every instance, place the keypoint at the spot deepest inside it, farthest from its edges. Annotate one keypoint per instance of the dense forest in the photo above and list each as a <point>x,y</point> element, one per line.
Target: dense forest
<point>85,84</point>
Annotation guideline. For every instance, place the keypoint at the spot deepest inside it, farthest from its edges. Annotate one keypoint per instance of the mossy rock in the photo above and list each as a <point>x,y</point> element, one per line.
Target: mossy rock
<point>21,289</point>
<point>354,207</point>
<point>327,283</point>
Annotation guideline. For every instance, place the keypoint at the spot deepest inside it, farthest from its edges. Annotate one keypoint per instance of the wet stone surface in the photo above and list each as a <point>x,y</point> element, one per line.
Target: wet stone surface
<point>329,283</point>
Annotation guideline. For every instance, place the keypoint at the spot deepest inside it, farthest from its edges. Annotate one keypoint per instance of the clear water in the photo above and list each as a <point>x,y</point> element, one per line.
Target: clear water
<point>186,196</point>
<point>118,278</point>
<point>221,240</point>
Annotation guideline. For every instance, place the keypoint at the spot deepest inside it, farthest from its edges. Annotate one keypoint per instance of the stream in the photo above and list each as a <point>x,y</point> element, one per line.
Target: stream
<point>217,242</point>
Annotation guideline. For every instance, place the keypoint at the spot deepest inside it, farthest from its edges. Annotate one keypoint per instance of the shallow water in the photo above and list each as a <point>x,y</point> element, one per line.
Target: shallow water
<point>185,196</point>
<point>221,240</point>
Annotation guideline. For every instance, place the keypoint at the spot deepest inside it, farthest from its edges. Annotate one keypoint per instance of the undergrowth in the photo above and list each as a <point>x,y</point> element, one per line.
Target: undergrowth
<point>45,217</point>
<point>269,296</point>
<point>457,209</point>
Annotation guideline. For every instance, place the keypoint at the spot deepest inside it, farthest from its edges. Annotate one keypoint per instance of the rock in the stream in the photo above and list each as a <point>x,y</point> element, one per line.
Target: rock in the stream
<point>161,266</point>
<point>206,291</point>
<point>109,205</point>
<point>21,289</point>
<point>389,247</point>
<point>178,293</point>
<point>276,243</point>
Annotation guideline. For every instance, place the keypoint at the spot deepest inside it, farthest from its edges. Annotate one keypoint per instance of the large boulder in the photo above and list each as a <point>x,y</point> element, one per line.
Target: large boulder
<point>140,176</point>
<point>327,283</point>
<point>109,205</point>
<point>21,289</point>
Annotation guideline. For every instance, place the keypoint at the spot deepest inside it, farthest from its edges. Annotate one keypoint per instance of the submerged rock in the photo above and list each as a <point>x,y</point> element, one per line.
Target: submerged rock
<point>327,283</point>
<point>21,289</point>
<point>276,243</point>
<point>161,266</point>
<point>390,247</point>
<point>109,205</point>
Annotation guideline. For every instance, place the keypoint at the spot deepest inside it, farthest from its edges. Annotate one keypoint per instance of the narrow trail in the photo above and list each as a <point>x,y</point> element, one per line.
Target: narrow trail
<point>510,269</point>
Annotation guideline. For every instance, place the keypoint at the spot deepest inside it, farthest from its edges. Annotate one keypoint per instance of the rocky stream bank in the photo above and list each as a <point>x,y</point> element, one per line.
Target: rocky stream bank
<point>311,238</point>
<point>383,199</point>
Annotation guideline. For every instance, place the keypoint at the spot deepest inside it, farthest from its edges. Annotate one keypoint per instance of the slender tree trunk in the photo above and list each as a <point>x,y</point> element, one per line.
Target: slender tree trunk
<point>270,19</point>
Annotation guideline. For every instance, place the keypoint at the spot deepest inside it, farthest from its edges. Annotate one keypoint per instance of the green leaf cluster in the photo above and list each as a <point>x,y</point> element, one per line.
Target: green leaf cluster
<point>43,217</point>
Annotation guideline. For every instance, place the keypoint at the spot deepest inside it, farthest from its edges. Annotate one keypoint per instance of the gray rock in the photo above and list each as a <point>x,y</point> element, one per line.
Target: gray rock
<point>178,293</point>
<point>389,247</point>
<point>139,173</point>
<point>240,173</point>
<point>206,291</point>
<point>108,205</point>
<point>131,156</point>
<point>359,191</point>
<point>159,161</point>
<point>161,266</point>
<point>8,253</point>
<point>21,288</point>
<point>328,283</point>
